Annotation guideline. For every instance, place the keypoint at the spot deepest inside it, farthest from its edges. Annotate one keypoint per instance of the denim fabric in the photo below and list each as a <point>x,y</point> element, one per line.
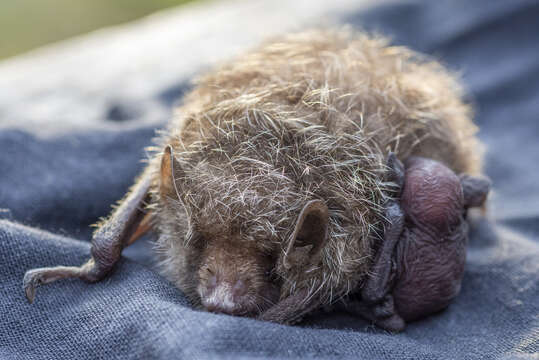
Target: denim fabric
<point>51,190</point>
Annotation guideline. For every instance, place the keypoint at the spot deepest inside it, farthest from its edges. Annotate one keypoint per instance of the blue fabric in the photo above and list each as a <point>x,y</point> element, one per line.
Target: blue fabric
<point>51,190</point>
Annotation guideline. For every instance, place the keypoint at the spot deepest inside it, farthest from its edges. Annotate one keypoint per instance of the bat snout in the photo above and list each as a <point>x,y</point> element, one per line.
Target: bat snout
<point>226,297</point>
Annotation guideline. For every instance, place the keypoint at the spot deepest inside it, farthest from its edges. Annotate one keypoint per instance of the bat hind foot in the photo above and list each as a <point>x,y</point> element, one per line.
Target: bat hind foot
<point>382,314</point>
<point>394,323</point>
<point>36,277</point>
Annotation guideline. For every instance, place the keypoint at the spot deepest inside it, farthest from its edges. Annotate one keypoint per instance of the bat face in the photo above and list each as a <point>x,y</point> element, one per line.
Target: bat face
<point>226,269</point>
<point>236,278</point>
<point>219,267</point>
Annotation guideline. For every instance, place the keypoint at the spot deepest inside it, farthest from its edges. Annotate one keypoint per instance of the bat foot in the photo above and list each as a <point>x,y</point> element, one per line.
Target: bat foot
<point>394,323</point>
<point>382,314</point>
<point>475,190</point>
<point>290,310</point>
<point>36,277</point>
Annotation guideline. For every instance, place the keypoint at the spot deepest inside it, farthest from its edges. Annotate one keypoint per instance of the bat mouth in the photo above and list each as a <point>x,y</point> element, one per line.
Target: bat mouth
<point>238,300</point>
<point>221,302</point>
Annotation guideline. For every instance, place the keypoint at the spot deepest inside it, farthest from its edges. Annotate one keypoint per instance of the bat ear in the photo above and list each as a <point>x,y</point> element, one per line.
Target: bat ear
<point>309,236</point>
<point>169,167</point>
<point>474,189</point>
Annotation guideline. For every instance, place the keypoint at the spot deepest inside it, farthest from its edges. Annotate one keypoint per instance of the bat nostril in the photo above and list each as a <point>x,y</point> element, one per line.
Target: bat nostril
<point>239,288</point>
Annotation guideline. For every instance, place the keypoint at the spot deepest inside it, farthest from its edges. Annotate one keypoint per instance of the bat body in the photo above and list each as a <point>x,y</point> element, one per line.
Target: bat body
<point>271,192</point>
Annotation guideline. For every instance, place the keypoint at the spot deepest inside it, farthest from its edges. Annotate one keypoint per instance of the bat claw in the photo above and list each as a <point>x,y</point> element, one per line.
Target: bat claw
<point>32,279</point>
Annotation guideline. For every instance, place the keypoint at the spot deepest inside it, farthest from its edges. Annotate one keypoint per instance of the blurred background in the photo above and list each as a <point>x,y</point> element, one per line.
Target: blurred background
<point>79,65</point>
<point>26,24</point>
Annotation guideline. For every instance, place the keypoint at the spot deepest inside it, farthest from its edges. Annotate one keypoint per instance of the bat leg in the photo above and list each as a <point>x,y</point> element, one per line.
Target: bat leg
<point>376,302</point>
<point>377,285</point>
<point>107,243</point>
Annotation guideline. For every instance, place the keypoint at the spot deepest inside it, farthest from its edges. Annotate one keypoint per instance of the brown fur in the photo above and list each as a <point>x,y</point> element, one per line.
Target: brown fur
<point>307,116</point>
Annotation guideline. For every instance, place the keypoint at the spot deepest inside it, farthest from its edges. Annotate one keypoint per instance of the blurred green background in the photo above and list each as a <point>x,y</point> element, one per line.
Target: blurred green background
<point>26,24</point>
